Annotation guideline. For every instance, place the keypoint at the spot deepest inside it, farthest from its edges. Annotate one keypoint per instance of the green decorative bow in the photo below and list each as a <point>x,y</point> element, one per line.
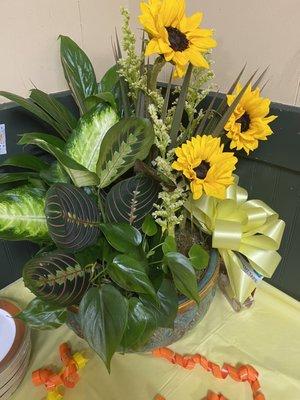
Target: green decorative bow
<point>247,234</point>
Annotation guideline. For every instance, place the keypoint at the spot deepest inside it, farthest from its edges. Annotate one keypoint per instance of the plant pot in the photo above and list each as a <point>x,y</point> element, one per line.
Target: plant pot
<point>189,313</point>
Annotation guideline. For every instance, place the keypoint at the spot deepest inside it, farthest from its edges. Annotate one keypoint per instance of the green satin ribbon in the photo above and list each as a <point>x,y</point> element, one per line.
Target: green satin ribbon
<point>241,227</point>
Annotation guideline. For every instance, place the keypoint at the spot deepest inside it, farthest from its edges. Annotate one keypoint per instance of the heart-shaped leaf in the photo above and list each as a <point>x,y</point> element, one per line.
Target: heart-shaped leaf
<point>183,274</point>
<point>42,315</point>
<point>103,318</point>
<point>122,236</point>
<point>84,143</point>
<point>198,257</point>
<point>169,245</point>
<point>72,217</point>
<point>127,141</point>
<point>131,200</point>
<point>57,278</point>
<point>130,274</point>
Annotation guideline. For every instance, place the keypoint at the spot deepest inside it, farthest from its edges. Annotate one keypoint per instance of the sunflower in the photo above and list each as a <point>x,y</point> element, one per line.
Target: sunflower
<point>203,161</point>
<point>249,122</point>
<point>175,36</point>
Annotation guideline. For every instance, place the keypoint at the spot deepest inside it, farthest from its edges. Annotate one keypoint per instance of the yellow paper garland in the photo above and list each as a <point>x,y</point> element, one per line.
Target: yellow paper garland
<point>241,227</point>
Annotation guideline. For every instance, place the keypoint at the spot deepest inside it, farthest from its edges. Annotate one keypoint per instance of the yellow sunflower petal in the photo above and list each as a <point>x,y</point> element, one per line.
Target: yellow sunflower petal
<point>152,47</point>
<point>171,12</point>
<point>188,24</point>
<point>196,58</point>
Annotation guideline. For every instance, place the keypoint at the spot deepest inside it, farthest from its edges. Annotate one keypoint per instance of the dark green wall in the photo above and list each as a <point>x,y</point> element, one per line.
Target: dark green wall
<point>272,174</point>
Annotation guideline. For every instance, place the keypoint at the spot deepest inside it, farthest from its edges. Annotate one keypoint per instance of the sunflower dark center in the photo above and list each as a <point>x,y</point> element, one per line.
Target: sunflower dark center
<point>178,40</point>
<point>244,121</point>
<point>202,169</point>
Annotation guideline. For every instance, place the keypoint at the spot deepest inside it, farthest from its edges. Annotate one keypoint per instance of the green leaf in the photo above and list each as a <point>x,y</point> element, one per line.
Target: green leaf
<point>110,80</point>
<point>78,71</point>
<point>78,173</point>
<point>127,141</point>
<point>149,226</point>
<point>198,257</point>
<point>122,236</point>
<point>130,275</point>
<point>22,214</point>
<point>29,138</point>
<point>26,161</point>
<point>174,131</point>
<point>140,325</point>
<point>57,278</point>
<point>55,174</point>
<point>169,245</point>
<point>65,120</point>
<point>183,274</point>
<point>105,98</point>
<point>72,217</point>
<point>166,309</point>
<point>131,200</point>
<point>41,315</point>
<point>16,176</point>
<point>35,110</point>
<point>103,316</point>
<point>84,144</point>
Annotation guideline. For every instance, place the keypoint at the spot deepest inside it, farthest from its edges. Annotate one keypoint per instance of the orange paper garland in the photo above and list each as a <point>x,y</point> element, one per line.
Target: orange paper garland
<point>245,373</point>
<point>68,376</point>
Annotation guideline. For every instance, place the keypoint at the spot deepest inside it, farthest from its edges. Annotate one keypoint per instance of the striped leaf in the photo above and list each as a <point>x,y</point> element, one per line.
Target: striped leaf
<point>84,144</point>
<point>127,141</point>
<point>57,278</point>
<point>72,217</point>
<point>131,200</point>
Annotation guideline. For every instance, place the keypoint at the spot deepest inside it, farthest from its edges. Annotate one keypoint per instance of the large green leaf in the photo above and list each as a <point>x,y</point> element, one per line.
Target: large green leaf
<point>103,317</point>
<point>22,214</point>
<point>109,80</point>
<point>140,325</point>
<point>121,236</point>
<point>7,177</point>
<point>165,310</point>
<point>36,110</point>
<point>55,109</point>
<point>84,144</point>
<point>72,217</point>
<point>131,200</point>
<point>41,315</point>
<point>57,278</point>
<point>55,174</point>
<point>78,71</point>
<point>183,274</point>
<point>127,141</point>
<point>29,138</point>
<point>77,172</point>
<point>131,275</point>
<point>27,161</point>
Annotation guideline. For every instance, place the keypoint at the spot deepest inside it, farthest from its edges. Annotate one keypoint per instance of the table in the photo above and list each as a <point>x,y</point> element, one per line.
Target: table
<point>266,336</point>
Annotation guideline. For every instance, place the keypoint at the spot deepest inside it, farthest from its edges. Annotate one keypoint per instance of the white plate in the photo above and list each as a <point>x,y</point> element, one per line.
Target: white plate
<point>7,333</point>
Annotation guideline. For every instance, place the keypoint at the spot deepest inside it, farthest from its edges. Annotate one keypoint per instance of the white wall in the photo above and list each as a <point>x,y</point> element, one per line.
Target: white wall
<point>261,32</point>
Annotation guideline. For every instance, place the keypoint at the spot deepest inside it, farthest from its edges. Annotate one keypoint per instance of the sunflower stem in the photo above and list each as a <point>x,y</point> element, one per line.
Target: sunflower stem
<point>156,69</point>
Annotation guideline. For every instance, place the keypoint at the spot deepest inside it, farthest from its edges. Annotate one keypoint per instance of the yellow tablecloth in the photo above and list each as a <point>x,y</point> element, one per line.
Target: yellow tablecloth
<point>266,336</point>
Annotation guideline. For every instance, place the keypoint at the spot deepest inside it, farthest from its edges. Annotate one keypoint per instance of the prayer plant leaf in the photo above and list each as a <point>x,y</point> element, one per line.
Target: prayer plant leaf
<point>41,315</point>
<point>103,317</point>
<point>57,278</point>
<point>183,275</point>
<point>131,200</point>
<point>130,274</point>
<point>22,214</point>
<point>27,161</point>
<point>34,109</point>
<point>127,141</point>
<point>77,172</point>
<point>72,217</point>
<point>78,70</point>
<point>84,144</point>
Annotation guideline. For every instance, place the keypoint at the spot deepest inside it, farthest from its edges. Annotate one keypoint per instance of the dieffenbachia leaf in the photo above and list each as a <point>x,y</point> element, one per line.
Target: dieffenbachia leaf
<point>72,217</point>
<point>41,315</point>
<point>84,144</point>
<point>77,172</point>
<point>7,177</point>
<point>27,161</point>
<point>183,274</point>
<point>103,317</point>
<point>78,71</point>
<point>22,214</point>
<point>127,141</point>
<point>57,278</point>
<point>131,200</point>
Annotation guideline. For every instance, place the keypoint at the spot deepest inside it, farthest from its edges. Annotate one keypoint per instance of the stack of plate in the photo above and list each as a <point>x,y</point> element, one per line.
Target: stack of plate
<point>15,349</point>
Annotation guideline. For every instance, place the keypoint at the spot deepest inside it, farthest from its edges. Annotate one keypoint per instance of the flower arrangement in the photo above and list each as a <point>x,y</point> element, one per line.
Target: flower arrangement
<point>129,197</point>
